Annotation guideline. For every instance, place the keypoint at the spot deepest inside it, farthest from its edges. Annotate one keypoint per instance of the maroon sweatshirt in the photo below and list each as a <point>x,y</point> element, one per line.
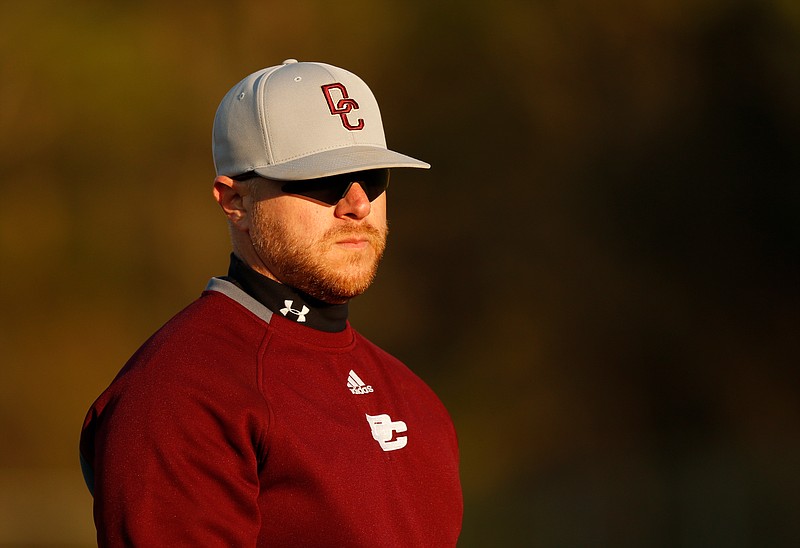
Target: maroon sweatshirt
<point>234,426</point>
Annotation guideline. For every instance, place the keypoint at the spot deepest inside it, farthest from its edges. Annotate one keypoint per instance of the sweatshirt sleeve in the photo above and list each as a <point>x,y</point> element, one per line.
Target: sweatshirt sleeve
<point>174,455</point>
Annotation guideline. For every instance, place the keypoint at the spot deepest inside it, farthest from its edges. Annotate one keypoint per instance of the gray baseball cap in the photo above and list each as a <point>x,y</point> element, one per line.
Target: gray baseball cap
<point>300,121</point>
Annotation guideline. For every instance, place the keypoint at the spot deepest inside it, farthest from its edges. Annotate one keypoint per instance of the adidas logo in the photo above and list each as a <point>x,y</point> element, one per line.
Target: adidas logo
<point>356,385</point>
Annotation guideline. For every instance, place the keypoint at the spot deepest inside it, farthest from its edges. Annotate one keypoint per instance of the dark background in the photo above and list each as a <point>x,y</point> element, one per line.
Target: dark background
<point>599,275</point>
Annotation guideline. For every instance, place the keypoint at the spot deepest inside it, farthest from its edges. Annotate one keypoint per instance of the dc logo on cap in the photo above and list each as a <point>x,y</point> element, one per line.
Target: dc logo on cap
<point>343,106</point>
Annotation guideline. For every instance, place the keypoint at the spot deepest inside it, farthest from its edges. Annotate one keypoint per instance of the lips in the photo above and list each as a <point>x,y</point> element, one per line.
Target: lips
<point>355,242</point>
<point>355,238</point>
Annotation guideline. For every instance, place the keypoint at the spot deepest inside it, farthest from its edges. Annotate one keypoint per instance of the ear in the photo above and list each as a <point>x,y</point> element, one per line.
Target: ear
<point>230,196</point>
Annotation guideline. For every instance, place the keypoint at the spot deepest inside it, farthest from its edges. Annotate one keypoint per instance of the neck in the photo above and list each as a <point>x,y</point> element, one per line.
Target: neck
<point>287,301</point>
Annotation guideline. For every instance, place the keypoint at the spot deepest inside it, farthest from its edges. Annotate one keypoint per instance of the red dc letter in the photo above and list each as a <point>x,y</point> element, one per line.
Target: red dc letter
<point>343,106</point>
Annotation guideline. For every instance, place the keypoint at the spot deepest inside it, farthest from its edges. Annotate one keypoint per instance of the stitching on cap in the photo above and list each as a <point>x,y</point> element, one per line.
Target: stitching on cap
<point>262,112</point>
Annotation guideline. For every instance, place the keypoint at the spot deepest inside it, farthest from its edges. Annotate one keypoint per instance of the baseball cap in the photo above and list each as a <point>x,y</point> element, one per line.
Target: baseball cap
<point>300,121</point>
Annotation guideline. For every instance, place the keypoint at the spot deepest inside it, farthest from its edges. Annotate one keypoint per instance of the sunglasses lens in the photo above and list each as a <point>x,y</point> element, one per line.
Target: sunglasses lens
<point>331,189</point>
<point>375,183</point>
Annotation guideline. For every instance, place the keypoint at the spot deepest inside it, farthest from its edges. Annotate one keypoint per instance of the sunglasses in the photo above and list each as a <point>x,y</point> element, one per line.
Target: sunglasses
<point>331,189</point>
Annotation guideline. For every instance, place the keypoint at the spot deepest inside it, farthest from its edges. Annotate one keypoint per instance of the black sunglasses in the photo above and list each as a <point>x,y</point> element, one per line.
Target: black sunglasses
<point>331,189</point>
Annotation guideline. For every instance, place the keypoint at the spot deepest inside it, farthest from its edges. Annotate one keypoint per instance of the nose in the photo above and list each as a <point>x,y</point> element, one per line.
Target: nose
<point>355,204</point>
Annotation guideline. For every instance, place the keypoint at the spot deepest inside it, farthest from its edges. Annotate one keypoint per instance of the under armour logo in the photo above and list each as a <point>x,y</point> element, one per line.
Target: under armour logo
<point>384,429</point>
<point>343,106</point>
<point>301,314</point>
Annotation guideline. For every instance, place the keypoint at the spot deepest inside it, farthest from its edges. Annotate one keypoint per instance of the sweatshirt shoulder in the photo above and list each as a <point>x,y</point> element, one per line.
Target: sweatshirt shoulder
<point>196,376</point>
<point>212,324</point>
<point>211,345</point>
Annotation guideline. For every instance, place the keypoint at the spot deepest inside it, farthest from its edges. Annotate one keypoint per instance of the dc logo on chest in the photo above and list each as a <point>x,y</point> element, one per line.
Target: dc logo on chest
<point>385,430</point>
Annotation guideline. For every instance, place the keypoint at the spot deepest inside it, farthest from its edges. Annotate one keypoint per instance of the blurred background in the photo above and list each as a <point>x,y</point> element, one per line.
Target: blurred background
<point>599,276</point>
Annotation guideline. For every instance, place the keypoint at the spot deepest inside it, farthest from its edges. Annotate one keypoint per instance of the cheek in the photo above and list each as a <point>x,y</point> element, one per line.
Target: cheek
<point>287,213</point>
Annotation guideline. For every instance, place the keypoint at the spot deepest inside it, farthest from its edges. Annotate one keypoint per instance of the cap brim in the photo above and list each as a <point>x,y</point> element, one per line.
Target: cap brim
<point>337,161</point>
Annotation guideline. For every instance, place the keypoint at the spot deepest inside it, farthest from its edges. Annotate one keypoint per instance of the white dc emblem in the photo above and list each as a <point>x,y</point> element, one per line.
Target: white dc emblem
<point>301,314</point>
<point>383,430</point>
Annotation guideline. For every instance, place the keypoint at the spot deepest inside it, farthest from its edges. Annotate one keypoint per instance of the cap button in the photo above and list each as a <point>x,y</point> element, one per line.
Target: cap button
<point>289,61</point>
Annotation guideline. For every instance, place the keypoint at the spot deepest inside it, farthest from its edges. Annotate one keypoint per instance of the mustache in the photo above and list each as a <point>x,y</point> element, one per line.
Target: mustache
<point>367,232</point>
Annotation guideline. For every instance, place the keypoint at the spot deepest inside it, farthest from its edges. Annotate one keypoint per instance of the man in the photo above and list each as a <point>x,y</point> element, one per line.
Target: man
<point>258,416</point>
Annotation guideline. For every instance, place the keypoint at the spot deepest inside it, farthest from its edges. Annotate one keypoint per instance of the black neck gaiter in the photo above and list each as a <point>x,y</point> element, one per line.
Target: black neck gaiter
<point>287,301</point>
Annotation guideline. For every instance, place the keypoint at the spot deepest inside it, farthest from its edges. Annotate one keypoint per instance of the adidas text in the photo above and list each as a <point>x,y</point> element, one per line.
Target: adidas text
<point>356,385</point>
